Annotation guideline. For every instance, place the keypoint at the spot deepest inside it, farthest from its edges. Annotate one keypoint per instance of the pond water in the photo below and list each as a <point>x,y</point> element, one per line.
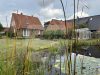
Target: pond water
<point>93,51</point>
<point>91,65</point>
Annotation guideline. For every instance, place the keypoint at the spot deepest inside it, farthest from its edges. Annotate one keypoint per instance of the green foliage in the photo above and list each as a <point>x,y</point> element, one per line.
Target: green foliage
<point>0,36</point>
<point>10,34</point>
<point>1,27</point>
<point>53,34</point>
<point>83,25</point>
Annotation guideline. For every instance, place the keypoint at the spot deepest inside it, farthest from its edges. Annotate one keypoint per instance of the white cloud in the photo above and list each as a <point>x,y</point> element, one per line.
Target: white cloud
<point>3,18</point>
<point>79,14</point>
<point>48,13</point>
<point>44,3</point>
<point>51,12</point>
<point>8,14</point>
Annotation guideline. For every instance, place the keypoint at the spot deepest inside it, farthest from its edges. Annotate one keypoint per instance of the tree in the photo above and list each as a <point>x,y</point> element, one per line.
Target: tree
<point>1,27</point>
<point>83,25</point>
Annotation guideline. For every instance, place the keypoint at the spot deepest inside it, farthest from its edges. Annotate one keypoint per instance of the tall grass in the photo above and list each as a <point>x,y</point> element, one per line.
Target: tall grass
<point>25,61</point>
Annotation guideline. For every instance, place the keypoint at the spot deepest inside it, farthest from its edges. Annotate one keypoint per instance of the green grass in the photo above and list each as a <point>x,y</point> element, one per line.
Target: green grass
<point>90,42</point>
<point>35,44</point>
<point>14,55</point>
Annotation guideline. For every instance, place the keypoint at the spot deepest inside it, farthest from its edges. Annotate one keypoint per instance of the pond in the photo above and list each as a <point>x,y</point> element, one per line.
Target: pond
<point>92,51</point>
<point>91,65</point>
<point>87,62</point>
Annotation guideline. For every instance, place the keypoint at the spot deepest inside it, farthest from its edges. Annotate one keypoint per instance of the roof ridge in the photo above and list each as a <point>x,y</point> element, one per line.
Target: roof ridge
<point>22,20</point>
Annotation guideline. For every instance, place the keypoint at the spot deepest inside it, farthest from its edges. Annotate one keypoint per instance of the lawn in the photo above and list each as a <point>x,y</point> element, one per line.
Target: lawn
<point>35,44</point>
<point>8,47</point>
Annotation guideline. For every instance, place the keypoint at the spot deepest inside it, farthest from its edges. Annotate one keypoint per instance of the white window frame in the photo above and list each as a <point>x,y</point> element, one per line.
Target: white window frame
<point>26,32</point>
<point>39,32</point>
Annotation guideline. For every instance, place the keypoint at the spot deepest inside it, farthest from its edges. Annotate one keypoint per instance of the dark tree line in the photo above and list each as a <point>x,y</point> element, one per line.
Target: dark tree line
<point>1,27</point>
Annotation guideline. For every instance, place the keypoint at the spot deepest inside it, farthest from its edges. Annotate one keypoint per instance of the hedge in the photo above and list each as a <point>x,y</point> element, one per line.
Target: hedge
<point>53,34</point>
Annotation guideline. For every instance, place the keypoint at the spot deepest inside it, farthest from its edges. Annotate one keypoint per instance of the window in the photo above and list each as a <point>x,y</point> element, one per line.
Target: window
<point>91,18</point>
<point>26,32</point>
<point>39,32</point>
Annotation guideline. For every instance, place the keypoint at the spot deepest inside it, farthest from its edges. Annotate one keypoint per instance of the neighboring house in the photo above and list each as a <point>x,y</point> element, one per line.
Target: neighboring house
<point>98,34</point>
<point>25,26</point>
<point>54,25</point>
<point>92,23</point>
<point>83,33</point>
<point>91,26</point>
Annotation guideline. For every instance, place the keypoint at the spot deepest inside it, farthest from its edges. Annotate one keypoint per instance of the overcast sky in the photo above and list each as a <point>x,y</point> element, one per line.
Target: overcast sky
<point>44,10</point>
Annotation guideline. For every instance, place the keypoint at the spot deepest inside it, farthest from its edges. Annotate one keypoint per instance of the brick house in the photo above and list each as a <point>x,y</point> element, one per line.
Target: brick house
<point>25,26</point>
<point>54,25</point>
<point>93,24</point>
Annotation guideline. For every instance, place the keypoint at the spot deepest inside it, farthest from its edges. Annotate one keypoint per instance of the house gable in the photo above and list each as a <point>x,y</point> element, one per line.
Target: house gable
<point>24,25</point>
<point>58,25</point>
<point>20,21</point>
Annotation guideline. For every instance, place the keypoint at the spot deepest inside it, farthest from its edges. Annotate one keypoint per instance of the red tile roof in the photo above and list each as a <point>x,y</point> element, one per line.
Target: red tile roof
<point>59,25</point>
<point>24,21</point>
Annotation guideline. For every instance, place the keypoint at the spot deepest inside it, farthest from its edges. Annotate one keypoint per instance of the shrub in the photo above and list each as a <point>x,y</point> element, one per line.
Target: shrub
<point>1,27</point>
<point>53,34</point>
<point>0,36</point>
<point>10,34</point>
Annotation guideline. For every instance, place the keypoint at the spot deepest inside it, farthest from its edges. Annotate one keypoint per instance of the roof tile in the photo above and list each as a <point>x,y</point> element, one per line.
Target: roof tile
<point>24,21</point>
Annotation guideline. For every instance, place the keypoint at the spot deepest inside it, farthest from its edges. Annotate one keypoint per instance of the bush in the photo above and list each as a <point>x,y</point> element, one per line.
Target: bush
<point>53,34</point>
<point>0,36</point>
<point>10,34</point>
<point>1,27</point>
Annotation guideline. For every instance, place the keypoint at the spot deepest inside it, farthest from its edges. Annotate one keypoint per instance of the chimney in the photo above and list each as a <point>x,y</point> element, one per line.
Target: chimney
<point>21,13</point>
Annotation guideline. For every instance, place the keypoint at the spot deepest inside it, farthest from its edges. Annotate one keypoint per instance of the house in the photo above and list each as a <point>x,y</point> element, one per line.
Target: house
<point>25,26</point>
<point>93,23</point>
<point>54,25</point>
<point>89,26</point>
